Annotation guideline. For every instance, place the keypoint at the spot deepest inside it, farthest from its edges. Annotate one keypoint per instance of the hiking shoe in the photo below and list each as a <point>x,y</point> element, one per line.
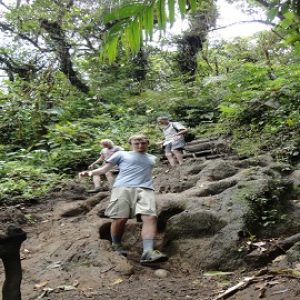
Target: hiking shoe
<point>153,256</point>
<point>119,249</point>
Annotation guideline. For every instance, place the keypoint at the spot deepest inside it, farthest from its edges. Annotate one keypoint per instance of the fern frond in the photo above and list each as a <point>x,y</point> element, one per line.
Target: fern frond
<point>148,21</point>
<point>171,7</point>
<point>193,4</point>
<point>123,12</point>
<point>162,16</point>
<point>182,7</point>
<point>131,19</point>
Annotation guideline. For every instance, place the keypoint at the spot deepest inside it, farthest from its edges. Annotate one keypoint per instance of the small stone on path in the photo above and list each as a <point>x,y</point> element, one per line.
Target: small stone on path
<point>161,273</point>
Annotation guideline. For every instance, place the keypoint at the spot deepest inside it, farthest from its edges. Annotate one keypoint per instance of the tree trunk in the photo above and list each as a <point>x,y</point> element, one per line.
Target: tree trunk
<point>10,244</point>
<point>62,48</point>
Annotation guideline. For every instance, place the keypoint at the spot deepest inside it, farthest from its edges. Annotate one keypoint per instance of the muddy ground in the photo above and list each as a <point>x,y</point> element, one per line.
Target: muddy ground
<point>67,255</point>
<point>50,273</point>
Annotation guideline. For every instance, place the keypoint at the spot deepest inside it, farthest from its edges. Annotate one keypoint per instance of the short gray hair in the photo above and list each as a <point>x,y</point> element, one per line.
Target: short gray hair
<point>163,118</point>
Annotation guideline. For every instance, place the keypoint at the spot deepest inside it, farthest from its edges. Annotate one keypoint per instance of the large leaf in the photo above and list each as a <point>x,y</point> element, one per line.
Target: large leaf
<point>112,49</point>
<point>134,35</point>
<point>130,20</point>
<point>148,21</point>
<point>182,7</point>
<point>193,5</point>
<point>162,16</point>
<point>124,12</point>
<point>171,6</point>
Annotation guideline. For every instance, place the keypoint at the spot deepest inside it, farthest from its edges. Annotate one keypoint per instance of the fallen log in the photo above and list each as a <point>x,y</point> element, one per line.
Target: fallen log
<point>10,244</point>
<point>241,285</point>
<point>202,153</point>
<point>258,259</point>
<point>289,242</point>
<point>200,147</point>
<point>215,156</point>
<point>203,140</point>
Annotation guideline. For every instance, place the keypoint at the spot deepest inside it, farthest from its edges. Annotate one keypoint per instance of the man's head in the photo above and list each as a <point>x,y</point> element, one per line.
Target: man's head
<point>106,143</point>
<point>139,142</point>
<point>163,120</point>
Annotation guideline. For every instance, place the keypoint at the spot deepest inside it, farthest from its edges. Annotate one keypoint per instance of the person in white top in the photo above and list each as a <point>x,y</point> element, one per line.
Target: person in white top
<point>108,150</point>
<point>174,140</point>
<point>133,196</point>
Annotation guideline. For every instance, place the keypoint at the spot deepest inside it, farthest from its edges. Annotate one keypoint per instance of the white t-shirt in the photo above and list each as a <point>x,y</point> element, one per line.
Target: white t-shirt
<point>107,153</point>
<point>170,133</point>
<point>135,169</point>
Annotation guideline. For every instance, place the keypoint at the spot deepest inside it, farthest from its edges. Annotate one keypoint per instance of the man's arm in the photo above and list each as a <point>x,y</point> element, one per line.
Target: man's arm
<point>101,158</point>
<point>182,131</point>
<point>104,169</point>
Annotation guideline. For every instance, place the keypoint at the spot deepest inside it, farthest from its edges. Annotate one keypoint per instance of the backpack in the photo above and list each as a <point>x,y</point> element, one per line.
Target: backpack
<point>188,137</point>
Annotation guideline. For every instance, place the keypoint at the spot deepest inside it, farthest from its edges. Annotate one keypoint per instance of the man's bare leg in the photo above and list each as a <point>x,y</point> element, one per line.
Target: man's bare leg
<point>171,159</point>
<point>110,178</point>
<point>179,156</point>
<point>116,231</point>
<point>97,181</point>
<point>117,228</point>
<point>149,228</point>
<point>149,231</point>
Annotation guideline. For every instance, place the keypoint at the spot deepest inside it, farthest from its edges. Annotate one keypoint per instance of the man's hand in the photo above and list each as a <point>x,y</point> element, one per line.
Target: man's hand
<point>91,166</point>
<point>160,143</point>
<point>84,174</point>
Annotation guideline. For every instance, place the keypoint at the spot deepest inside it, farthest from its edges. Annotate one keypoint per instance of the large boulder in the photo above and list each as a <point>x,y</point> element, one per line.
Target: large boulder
<point>230,202</point>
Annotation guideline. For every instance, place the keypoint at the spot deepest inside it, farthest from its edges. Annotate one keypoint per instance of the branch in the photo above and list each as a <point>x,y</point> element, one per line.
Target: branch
<point>7,27</point>
<point>278,34</point>
<point>57,35</point>
<point>89,44</point>
<point>242,22</point>
<point>4,5</point>
<point>18,3</point>
<point>25,71</point>
<point>241,285</point>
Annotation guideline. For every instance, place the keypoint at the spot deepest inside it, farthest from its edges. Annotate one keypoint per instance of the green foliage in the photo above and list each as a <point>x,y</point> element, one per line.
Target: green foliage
<point>21,181</point>
<point>268,208</point>
<point>257,94</point>
<point>131,20</point>
<point>289,13</point>
<point>246,89</point>
<point>30,107</point>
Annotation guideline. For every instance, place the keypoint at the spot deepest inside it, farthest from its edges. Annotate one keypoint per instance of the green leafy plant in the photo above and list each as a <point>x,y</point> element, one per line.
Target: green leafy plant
<point>130,20</point>
<point>268,208</point>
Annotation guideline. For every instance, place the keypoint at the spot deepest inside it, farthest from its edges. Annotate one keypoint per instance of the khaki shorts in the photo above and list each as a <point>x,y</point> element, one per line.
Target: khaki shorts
<point>131,202</point>
<point>176,145</point>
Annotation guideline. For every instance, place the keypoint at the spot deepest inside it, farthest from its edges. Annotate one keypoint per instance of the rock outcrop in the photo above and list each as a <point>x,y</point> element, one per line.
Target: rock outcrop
<point>231,200</point>
<point>211,212</point>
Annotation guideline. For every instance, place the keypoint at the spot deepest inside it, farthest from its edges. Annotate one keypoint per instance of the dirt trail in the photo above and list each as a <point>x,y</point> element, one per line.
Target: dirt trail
<point>53,271</point>
<point>67,255</point>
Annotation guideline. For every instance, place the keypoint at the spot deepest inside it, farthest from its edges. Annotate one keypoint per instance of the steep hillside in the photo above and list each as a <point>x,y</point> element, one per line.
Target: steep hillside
<point>218,212</point>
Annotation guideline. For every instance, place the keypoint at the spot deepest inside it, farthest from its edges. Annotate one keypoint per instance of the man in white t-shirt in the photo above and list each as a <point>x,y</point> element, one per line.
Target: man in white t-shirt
<point>174,139</point>
<point>133,196</point>
<point>108,150</point>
